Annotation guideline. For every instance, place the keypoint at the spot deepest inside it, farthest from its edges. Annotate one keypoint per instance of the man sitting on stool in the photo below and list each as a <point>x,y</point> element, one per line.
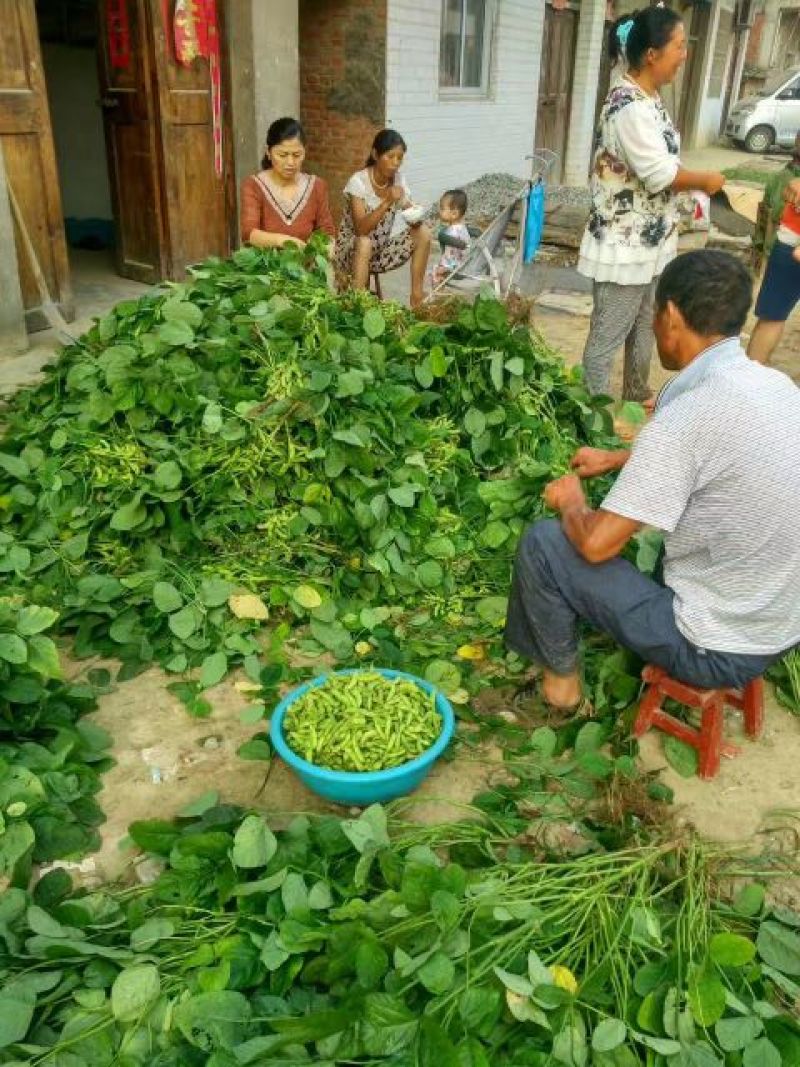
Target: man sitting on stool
<point>717,468</point>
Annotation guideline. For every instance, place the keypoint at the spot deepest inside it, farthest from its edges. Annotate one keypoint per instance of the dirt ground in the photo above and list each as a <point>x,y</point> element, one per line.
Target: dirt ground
<point>165,758</point>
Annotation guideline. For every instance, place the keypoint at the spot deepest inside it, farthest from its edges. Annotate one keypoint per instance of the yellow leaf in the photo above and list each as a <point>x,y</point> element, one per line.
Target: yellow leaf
<point>307,597</point>
<point>473,652</point>
<point>248,606</point>
<point>564,978</point>
<point>458,696</point>
<point>363,648</point>
<point>244,685</point>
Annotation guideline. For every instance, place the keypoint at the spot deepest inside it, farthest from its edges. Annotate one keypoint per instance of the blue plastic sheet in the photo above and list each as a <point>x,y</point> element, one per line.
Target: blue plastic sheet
<point>534,223</point>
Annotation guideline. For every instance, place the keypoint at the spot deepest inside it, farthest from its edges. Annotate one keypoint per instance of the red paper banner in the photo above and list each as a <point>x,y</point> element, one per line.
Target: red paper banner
<point>118,28</point>
<point>196,35</point>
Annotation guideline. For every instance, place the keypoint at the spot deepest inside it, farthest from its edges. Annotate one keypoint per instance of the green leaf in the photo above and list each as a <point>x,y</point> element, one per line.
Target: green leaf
<point>435,1047</point>
<point>372,963</point>
<point>632,413</point>
<point>129,516</point>
<point>761,1053</point>
<point>184,622</point>
<point>214,592</point>
<point>212,419</point>
<point>254,844</point>
<point>749,900</point>
<point>13,649</point>
<point>777,946</point>
<point>182,311</point>
<point>374,323</point>
<point>166,597</point>
<point>492,610</point>
<point>402,495</point>
<point>368,831</point>
<point>731,950</point>
<point>474,422</point>
<point>569,1045</point>
<point>706,997</point>
<point>15,466</point>
<point>168,475</point>
<point>33,620</point>
<point>430,574</point>
<point>134,992</point>
<point>437,973</point>
<point>608,1035</point>
<point>307,597</point>
<point>440,548</point>
<point>17,1005</point>
<point>495,534</point>
<point>294,893</point>
<point>214,1020</point>
<point>735,1034</point>
<point>446,676</point>
<point>213,670</point>
<point>591,737</point>
<point>320,897</point>
<point>43,657</point>
<point>388,1026</point>
<point>681,757</point>
<point>150,933</point>
<point>255,749</point>
<point>154,835</point>
<point>176,333</point>
<point>200,806</point>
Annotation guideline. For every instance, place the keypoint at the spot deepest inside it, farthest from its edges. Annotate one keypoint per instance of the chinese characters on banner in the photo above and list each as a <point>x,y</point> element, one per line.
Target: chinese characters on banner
<point>196,35</point>
<point>119,34</point>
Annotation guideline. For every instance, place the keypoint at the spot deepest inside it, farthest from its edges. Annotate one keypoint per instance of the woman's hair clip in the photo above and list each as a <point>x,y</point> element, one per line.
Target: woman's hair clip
<point>623,32</point>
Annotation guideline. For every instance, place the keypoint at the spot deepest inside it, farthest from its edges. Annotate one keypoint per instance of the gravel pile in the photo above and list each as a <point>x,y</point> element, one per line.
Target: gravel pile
<point>487,196</point>
<point>568,196</point>
<point>490,193</point>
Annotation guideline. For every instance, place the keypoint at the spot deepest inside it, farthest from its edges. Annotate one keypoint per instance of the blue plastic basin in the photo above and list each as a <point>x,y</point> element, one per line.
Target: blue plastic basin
<point>363,787</point>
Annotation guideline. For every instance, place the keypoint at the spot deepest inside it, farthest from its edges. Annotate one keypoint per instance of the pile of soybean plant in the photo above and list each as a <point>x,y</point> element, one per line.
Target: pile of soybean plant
<point>250,448</point>
<point>360,942</point>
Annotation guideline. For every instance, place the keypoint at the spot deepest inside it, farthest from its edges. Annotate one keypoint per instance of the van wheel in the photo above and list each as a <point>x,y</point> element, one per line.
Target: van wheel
<point>759,139</point>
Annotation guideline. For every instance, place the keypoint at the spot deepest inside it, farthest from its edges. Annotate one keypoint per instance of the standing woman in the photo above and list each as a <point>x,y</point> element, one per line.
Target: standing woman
<point>281,204</point>
<point>366,242</point>
<point>632,232</point>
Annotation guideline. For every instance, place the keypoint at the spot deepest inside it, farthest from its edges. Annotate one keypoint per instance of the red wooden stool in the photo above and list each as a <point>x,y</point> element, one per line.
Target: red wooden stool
<point>711,702</point>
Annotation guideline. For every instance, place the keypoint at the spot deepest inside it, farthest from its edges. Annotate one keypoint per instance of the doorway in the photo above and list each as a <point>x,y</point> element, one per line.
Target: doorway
<point>69,40</point>
<point>111,145</point>
<point>555,83</point>
<point>697,24</point>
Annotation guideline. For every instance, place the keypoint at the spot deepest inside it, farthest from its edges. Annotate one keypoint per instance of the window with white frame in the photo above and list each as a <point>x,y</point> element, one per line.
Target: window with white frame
<point>465,45</point>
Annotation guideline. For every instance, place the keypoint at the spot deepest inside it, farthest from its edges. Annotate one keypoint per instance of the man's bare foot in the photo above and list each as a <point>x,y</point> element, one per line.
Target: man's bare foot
<point>561,691</point>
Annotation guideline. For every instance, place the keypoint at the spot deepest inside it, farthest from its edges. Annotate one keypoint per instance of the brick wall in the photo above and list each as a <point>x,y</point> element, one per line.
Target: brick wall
<point>342,85</point>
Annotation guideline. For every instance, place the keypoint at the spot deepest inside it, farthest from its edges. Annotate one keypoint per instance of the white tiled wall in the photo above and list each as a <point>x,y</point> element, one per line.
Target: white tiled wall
<point>452,141</point>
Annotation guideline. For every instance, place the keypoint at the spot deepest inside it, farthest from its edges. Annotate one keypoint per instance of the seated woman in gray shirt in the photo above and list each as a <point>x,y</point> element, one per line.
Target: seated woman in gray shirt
<point>716,469</point>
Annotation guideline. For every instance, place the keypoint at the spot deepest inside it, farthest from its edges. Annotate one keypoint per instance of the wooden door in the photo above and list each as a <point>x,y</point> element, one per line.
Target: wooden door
<point>691,89</point>
<point>27,143</point>
<point>199,214</point>
<point>555,83</point>
<point>171,208</point>
<point>129,110</point>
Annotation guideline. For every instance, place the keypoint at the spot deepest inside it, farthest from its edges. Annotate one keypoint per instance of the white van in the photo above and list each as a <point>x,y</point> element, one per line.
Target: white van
<point>770,117</point>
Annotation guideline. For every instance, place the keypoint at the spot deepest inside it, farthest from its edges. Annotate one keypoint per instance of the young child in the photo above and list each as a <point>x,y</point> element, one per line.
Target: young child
<point>780,289</point>
<point>454,237</point>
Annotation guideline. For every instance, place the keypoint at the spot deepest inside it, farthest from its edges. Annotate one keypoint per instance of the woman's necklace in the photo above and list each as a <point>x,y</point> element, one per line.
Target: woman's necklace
<point>284,191</point>
<point>375,181</point>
